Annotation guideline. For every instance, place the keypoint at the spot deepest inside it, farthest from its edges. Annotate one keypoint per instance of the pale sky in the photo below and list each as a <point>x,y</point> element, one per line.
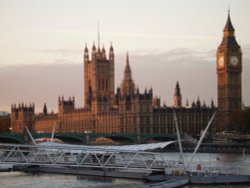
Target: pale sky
<point>168,40</point>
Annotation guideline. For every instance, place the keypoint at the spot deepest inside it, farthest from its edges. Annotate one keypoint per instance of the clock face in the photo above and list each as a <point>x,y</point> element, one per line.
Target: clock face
<point>234,61</point>
<point>221,61</point>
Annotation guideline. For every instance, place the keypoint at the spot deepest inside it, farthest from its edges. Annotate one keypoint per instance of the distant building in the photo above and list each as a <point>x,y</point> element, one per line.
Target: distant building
<point>4,121</point>
<point>129,110</point>
<point>126,111</point>
<point>20,115</point>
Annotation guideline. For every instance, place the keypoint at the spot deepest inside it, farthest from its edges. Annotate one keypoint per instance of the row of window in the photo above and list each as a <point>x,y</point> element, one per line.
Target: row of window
<point>103,84</point>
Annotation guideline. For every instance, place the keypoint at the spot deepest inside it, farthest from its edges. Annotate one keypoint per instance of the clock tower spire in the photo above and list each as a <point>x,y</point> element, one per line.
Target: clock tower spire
<point>229,68</point>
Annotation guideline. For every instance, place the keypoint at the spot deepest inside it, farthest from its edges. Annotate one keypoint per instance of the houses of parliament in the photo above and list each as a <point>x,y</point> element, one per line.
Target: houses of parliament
<point>126,109</point>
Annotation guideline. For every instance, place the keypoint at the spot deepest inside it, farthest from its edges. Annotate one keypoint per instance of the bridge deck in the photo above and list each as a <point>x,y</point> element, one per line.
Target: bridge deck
<point>82,157</point>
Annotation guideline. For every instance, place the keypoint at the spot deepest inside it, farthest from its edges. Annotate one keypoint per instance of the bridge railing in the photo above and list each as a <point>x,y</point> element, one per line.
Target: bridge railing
<point>82,157</point>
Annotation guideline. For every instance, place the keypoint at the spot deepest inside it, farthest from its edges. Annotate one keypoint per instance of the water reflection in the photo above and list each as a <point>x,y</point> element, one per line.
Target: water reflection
<point>225,162</point>
<point>41,180</point>
<point>237,163</point>
<point>218,186</point>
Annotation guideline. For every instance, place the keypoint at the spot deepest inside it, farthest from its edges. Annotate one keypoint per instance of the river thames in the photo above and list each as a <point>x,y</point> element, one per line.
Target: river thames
<point>235,163</point>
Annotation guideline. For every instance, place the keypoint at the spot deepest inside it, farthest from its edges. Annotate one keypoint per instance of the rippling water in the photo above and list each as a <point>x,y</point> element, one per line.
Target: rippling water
<point>236,163</point>
<point>224,163</point>
<point>40,180</point>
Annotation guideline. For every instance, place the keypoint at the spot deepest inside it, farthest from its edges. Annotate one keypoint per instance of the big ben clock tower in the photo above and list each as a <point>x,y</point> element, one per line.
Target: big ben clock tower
<point>229,68</point>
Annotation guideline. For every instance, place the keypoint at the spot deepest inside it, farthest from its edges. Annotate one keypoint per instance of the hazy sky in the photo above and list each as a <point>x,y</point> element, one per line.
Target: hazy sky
<point>42,41</point>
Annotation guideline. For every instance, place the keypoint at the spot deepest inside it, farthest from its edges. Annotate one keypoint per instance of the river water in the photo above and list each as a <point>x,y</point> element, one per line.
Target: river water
<point>236,163</point>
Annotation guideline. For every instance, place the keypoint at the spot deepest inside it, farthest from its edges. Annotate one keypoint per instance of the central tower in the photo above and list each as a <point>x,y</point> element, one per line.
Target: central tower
<point>229,68</point>
<point>99,79</point>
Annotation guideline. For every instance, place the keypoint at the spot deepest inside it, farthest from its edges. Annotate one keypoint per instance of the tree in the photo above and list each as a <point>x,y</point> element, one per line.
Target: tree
<point>240,121</point>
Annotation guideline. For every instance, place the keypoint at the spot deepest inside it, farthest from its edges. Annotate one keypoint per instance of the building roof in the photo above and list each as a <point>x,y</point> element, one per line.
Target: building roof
<point>229,42</point>
<point>229,39</point>
<point>135,147</point>
<point>229,25</point>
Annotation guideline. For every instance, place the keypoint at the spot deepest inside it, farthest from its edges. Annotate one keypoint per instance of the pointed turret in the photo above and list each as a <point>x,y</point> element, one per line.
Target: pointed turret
<point>127,70</point>
<point>86,53</point>
<point>164,104</point>
<point>93,47</point>
<point>127,85</point>
<point>177,99</point>
<point>111,53</point>
<point>204,104</point>
<point>212,104</point>
<point>103,53</point>
<point>187,103</point>
<point>118,96</point>
<point>93,51</point>
<point>229,25</point>
<point>228,34</point>
<point>137,91</point>
<point>177,89</point>
<point>45,110</point>
<point>86,49</point>
<point>198,102</point>
<point>193,104</point>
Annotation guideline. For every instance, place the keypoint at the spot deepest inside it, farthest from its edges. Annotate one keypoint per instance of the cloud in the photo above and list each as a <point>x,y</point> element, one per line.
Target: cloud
<point>40,83</point>
<point>195,70</point>
<point>162,70</point>
<point>176,57</point>
<point>160,36</point>
<point>61,51</point>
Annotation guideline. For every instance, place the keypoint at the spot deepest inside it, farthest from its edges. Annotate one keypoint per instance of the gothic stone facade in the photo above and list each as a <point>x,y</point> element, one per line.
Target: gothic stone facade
<point>129,110</point>
<point>126,111</point>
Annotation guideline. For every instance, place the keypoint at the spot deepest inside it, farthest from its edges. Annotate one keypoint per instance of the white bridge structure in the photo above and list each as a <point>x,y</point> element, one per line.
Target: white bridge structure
<point>112,157</point>
<point>87,156</point>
